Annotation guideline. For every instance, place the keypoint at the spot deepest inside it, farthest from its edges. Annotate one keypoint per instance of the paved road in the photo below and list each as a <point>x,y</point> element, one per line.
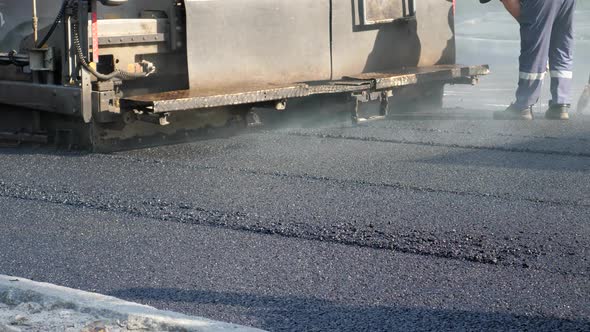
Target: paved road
<point>442,222</point>
<point>439,221</point>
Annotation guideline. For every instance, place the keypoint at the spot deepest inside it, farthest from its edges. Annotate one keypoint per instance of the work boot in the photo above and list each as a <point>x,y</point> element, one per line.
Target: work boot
<point>514,113</point>
<point>558,112</point>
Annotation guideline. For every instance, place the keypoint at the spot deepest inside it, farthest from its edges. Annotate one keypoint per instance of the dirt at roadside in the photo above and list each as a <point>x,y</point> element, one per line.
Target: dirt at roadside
<point>32,316</point>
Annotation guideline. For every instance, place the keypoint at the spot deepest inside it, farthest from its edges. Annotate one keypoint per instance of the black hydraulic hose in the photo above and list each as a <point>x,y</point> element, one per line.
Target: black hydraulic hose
<point>124,75</point>
<point>58,18</point>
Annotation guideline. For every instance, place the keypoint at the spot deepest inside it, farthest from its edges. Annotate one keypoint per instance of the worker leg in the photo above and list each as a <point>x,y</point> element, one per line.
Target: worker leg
<point>536,24</point>
<point>561,54</point>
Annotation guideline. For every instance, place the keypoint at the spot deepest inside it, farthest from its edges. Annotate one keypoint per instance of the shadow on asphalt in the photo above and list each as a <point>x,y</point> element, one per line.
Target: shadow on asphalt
<point>276,313</point>
<point>560,154</point>
<point>28,149</point>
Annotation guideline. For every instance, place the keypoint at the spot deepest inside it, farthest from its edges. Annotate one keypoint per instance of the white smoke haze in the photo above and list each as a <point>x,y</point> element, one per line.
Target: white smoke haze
<point>485,34</point>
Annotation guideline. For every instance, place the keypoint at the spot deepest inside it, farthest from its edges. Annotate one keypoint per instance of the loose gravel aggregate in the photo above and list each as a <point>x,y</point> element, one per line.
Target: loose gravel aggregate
<point>289,229</point>
<point>435,221</point>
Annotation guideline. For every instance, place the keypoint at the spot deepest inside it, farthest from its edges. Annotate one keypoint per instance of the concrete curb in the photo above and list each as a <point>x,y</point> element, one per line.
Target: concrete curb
<point>15,291</point>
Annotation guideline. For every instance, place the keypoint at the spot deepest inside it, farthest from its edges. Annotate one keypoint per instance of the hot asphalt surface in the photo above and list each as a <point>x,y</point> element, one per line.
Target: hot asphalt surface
<point>440,221</point>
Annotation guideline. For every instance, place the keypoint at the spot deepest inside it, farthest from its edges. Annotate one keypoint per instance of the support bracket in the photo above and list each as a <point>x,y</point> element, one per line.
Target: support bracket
<point>366,96</point>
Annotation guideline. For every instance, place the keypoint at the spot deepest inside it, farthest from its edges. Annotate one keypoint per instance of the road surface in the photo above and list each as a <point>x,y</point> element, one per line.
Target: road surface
<point>438,221</point>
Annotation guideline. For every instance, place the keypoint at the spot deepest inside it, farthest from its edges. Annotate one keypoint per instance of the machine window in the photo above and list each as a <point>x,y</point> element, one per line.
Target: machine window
<point>386,11</point>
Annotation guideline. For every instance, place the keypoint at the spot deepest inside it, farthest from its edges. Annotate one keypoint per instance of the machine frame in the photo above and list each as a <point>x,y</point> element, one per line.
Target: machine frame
<point>179,56</point>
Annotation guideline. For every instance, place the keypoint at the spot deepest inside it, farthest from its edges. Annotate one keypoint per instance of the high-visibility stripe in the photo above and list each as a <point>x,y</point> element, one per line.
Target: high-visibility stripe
<point>562,74</point>
<point>532,76</point>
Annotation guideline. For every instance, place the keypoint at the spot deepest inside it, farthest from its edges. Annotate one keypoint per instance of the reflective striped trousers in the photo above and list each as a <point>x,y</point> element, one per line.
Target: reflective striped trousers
<point>547,34</point>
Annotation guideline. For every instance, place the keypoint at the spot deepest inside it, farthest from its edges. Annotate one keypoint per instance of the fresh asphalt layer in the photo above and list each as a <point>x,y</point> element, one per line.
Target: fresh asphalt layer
<point>443,221</point>
<point>438,221</point>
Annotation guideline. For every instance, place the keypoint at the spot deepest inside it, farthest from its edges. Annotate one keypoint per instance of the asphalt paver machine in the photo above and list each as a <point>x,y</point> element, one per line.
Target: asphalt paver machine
<point>99,73</point>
